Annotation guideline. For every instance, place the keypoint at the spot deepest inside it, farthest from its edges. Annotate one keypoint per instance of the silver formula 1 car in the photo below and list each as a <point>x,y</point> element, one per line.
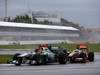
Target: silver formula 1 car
<point>42,55</point>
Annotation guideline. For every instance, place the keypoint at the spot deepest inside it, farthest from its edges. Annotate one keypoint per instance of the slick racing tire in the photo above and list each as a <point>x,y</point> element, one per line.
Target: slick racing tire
<point>91,56</point>
<point>15,57</point>
<point>19,61</point>
<point>62,58</point>
<point>71,60</point>
<point>83,56</point>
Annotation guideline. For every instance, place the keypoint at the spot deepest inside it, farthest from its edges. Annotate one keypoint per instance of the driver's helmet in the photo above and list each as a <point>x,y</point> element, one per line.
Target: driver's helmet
<point>76,51</point>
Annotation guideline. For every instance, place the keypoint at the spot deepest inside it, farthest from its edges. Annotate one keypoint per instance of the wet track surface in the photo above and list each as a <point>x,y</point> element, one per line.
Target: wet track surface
<point>89,68</point>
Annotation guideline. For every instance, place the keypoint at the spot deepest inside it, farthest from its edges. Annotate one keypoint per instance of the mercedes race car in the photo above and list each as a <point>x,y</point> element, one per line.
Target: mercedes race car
<point>43,55</point>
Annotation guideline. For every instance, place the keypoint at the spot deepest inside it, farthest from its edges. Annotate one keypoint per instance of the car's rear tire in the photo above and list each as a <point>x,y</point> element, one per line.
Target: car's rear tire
<point>91,56</point>
<point>62,59</point>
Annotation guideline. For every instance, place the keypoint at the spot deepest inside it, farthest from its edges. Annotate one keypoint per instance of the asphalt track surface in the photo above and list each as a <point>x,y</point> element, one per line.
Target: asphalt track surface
<point>89,68</point>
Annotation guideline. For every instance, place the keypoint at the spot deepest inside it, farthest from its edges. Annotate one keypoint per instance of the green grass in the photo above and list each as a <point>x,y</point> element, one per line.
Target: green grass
<point>29,46</point>
<point>66,46</point>
<point>70,47</point>
<point>5,58</point>
<point>94,47</point>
